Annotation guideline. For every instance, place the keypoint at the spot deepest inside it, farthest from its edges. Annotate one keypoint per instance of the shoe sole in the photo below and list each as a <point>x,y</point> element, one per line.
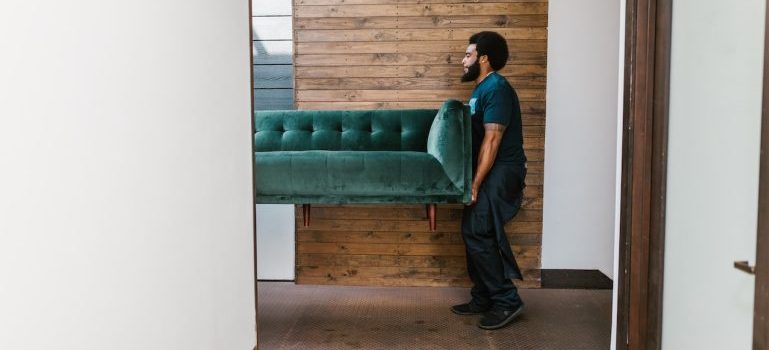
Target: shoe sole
<point>509,319</point>
<point>466,313</point>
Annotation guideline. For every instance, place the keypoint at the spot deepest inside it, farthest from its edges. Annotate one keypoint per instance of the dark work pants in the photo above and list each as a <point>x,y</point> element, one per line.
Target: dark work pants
<point>483,233</point>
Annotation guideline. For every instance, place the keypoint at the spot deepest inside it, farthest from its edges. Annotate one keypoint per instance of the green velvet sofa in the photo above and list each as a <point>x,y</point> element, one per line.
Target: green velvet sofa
<point>416,156</point>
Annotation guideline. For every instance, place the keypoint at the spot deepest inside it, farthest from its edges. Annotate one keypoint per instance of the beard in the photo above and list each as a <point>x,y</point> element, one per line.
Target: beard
<point>472,72</point>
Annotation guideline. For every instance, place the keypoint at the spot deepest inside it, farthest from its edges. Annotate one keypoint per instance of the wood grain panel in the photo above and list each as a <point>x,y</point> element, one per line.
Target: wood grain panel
<point>445,46</point>
<point>533,142</point>
<point>375,232</point>
<point>444,212</point>
<point>377,237</point>
<point>400,249</point>
<point>469,9</point>
<point>488,21</point>
<point>526,107</point>
<point>536,167</point>
<point>375,35</point>
<point>390,54</point>
<point>534,131</point>
<point>384,272</point>
<point>377,59</point>
<point>408,226</point>
<point>418,71</point>
<point>357,260</point>
<point>533,119</point>
<point>522,239</point>
<point>406,83</point>
<point>315,259</point>
<point>399,95</point>
<point>388,272</point>
<point>392,273</point>
<point>532,203</point>
<point>407,59</point>
<point>405,282</point>
<point>386,2</point>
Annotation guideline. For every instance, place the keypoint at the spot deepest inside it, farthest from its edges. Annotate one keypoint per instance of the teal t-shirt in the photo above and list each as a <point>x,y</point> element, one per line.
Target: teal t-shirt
<point>495,101</point>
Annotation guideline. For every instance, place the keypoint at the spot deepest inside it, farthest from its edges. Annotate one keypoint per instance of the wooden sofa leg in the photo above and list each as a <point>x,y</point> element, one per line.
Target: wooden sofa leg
<point>431,209</point>
<point>306,214</point>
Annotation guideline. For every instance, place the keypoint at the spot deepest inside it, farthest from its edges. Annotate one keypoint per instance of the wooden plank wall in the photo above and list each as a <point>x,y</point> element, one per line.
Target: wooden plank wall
<point>366,54</point>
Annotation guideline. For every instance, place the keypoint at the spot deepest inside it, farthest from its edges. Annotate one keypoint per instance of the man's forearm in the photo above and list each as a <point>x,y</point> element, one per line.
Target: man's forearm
<point>486,156</point>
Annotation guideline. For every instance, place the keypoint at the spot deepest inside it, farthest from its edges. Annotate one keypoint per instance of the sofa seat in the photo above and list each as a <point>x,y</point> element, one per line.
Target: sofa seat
<point>352,177</point>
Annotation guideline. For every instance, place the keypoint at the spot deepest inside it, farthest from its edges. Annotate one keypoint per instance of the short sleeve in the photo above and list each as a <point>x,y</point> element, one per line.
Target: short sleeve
<point>498,108</point>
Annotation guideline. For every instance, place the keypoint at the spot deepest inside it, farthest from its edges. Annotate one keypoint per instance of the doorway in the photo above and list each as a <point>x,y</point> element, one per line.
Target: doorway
<point>641,246</point>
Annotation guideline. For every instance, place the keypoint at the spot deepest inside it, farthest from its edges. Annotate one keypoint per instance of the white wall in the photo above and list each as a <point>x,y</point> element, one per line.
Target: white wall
<point>581,144</point>
<point>126,216</point>
<point>715,111</point>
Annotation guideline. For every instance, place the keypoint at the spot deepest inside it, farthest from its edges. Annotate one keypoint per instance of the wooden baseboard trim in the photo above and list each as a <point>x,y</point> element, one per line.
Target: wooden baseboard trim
<point>575,279</point>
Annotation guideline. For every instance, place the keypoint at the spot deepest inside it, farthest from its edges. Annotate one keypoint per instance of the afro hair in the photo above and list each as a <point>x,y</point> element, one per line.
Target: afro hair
<point>492,45</point>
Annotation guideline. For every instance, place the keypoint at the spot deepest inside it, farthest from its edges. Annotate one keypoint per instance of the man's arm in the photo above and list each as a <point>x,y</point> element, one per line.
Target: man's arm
<point>487,155</point>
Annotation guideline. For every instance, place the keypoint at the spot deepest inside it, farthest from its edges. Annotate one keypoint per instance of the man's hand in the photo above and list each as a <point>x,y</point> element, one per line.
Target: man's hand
<point>474,194</point>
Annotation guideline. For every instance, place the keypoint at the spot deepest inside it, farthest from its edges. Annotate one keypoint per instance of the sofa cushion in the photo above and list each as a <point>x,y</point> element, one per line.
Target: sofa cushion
<point>363,130</point>
<point>350,173</point>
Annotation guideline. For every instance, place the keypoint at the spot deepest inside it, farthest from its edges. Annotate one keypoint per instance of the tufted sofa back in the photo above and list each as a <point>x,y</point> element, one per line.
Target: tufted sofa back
<point>364,130</point>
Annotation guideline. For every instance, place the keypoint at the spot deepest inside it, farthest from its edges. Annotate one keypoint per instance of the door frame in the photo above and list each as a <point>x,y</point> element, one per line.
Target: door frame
<point>644,174</point>
<point>761,298</point>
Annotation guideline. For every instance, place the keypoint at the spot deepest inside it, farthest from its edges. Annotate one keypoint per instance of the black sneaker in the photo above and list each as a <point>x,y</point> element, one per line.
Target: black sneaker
<point>497,318</point>
<point>470,308</point>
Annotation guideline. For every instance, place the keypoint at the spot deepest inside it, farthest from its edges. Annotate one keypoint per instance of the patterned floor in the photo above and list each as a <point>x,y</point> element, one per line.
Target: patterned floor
<point>336,317</point>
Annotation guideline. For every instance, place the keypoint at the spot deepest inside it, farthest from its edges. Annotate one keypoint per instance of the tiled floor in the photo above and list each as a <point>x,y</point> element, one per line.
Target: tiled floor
<point>336,317</point>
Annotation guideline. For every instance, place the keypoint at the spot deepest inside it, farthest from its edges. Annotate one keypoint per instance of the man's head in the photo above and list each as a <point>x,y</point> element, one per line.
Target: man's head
<point>487,50</point>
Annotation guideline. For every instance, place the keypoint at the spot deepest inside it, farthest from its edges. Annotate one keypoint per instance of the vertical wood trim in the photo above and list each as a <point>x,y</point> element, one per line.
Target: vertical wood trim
<point>663,31</point>
<point>761,303</point>
<point>644,172</point>
<point>623,285</point>
<point>640,187</point>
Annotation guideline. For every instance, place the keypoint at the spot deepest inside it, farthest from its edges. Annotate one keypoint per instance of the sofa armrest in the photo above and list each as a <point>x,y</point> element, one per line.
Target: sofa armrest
<point>450,143</point>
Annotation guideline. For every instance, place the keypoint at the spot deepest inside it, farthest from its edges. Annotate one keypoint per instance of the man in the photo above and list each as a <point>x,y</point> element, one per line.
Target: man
<point>497,189</point>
